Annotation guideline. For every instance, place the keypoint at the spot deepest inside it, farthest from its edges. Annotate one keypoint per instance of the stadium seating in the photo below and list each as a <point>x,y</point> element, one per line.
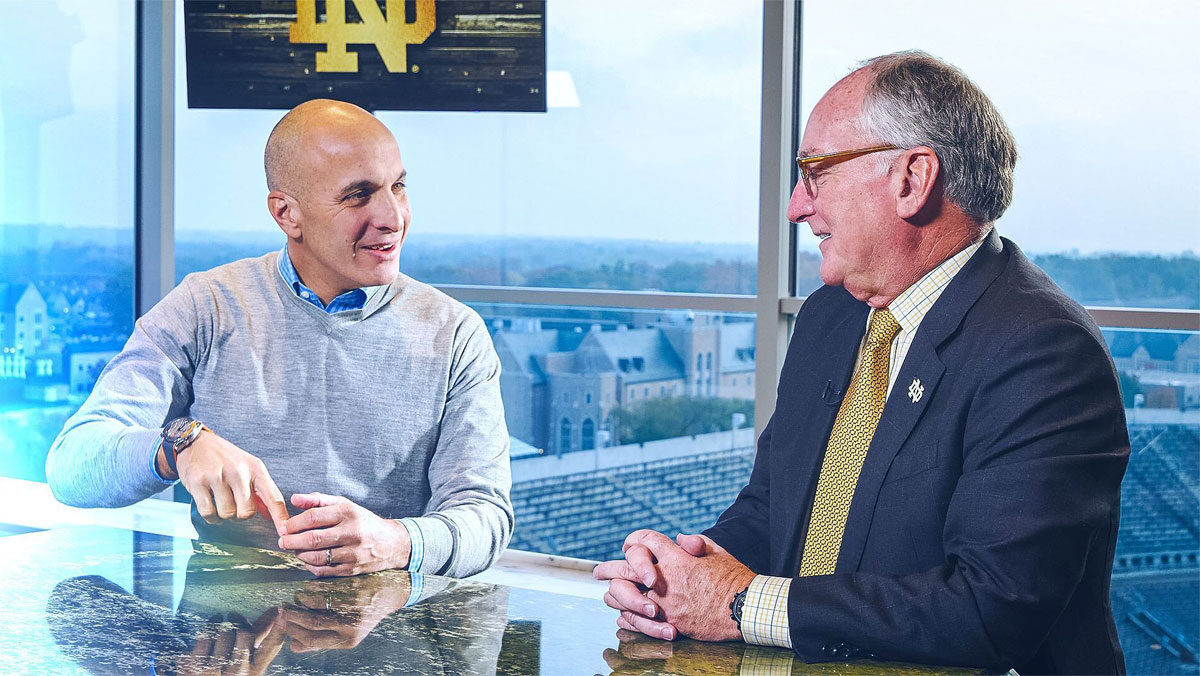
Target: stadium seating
<point>588,515</point>
<point>1160,508</point>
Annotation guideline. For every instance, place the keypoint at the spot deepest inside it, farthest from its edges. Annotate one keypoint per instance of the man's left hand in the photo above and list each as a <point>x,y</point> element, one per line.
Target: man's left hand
<point>692,593</point>
<point>335,537</point>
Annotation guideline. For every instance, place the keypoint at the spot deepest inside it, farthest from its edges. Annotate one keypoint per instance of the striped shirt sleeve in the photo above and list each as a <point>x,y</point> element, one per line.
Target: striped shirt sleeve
<point>154,466</point>
<point>416,539</point>
<point>765,614</point>
<point>416,557</point>
<point>758,661</point>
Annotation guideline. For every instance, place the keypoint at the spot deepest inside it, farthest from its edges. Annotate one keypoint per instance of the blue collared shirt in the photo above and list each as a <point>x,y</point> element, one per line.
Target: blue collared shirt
<point>353,299</point>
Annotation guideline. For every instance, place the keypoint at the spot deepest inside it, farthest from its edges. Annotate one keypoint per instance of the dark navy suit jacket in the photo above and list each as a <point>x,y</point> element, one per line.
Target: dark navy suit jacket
<point>984,521</point>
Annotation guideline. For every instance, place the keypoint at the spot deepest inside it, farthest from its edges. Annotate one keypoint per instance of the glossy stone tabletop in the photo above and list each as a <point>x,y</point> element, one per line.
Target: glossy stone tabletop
<point>106,601</point>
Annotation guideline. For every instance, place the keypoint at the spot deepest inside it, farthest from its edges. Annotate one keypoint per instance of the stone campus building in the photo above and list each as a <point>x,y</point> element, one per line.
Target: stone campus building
<point>48,354</point>
<point>560,385</point>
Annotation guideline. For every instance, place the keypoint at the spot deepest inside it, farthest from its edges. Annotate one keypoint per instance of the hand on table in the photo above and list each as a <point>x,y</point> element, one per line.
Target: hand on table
<point>688,586</point>
<point>235,648</point>
<point>335,537</point>
<point>227,482</point>
<point>339,617</point>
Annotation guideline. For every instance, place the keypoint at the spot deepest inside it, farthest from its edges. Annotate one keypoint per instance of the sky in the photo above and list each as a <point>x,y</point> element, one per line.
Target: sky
<point>1101,97</point>
<point>664,143</point>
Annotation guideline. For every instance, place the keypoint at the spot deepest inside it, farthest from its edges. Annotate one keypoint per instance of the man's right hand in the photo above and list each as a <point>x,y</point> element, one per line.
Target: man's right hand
<point>229,483</point>
<point>629,581</point>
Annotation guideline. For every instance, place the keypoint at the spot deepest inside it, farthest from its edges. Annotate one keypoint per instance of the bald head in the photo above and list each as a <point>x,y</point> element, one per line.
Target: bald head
<point>837,115</point>
<point>309,131</point>
<point>337,191</point>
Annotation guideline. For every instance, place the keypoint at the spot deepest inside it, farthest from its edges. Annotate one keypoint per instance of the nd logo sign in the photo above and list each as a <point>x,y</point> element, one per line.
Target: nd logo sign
<point>391,35</point>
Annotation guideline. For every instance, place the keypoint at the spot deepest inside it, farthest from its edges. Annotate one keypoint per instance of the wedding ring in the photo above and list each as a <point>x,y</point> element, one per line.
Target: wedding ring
<point>329,557</point>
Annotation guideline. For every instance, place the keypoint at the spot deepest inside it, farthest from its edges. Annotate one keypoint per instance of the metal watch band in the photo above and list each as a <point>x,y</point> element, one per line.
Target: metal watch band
<point>177,435</point>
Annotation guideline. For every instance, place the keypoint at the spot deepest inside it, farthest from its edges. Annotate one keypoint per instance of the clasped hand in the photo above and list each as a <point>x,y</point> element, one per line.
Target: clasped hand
<point>332,536</point>
<point>668,589</point>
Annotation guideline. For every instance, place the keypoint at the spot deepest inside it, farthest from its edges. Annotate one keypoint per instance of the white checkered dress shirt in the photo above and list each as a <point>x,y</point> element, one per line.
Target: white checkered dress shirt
<point>764,615</point>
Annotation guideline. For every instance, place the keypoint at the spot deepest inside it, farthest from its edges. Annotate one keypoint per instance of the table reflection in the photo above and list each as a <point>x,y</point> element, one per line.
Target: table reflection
<point>638,655</point>
<point>105,601</point>
<point>264,615</point>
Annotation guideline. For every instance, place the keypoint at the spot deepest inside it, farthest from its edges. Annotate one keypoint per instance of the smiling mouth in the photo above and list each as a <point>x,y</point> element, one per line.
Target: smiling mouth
<point>823,236</point>
<point>380,247</point>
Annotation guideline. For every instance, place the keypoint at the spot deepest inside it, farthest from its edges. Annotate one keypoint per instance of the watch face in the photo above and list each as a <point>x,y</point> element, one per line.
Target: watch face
<point>177,428</point>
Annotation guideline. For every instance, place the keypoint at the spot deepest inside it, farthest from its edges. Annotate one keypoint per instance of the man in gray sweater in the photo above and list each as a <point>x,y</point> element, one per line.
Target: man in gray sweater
<point>319,372</point>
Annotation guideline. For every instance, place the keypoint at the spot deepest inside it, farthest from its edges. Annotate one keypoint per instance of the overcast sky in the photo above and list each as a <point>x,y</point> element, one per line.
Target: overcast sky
<point>664,144</point>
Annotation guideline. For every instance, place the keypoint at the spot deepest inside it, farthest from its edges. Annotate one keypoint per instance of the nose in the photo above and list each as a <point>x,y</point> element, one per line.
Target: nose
<point>391,212</point>
<point>801,206</point>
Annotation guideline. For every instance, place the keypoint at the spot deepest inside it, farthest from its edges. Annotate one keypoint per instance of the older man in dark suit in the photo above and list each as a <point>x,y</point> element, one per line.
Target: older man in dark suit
<point>940,481</point>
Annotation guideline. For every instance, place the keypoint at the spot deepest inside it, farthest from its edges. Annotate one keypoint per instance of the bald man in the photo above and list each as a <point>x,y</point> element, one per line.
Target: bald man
<point>317,376</point>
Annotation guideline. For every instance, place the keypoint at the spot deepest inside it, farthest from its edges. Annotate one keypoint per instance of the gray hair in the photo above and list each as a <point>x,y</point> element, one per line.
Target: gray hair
<point>915,99</point>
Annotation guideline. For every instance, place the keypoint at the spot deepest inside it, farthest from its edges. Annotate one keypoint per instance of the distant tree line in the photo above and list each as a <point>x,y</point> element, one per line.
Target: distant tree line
<point>1127,280</point>
<point>1120,280</point>
<point>1110,279</point>
<point>670,417</point>
<point>720,276</point>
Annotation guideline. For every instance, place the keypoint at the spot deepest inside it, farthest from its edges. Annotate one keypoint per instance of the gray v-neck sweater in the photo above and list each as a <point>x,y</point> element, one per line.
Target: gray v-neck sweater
<point>395,406</point>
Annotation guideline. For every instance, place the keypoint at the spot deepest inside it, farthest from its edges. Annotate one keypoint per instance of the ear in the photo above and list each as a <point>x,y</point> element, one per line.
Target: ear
<point>286,211</point>
<point>918,172</point>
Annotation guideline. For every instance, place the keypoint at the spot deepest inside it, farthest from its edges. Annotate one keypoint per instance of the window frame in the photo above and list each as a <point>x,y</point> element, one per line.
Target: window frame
<point>774,305</point>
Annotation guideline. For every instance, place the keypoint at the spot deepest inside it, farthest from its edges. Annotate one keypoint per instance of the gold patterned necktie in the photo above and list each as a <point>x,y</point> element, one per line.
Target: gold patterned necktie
<point>847,448</point>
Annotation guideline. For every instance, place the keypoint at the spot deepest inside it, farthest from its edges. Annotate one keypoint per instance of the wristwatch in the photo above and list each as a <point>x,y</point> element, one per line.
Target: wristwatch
<point>735,607</point>
<point>178,435</point>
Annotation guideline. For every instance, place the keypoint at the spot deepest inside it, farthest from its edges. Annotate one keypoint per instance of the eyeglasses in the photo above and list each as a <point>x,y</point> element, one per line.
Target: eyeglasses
<point>802,162</point>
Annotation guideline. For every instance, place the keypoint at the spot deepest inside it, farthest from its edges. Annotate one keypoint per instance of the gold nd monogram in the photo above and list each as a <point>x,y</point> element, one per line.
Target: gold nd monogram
<point>391,35</point>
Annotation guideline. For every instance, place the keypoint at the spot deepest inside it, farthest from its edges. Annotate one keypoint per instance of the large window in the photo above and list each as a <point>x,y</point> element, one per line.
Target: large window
<point>622,418</point>
<point>1155,587</point>
<point>66,214</point>
<point>641,176</point>
<point>613,423</point>
<point>1099,99</point>
<point>643,173</point>
<point>612,243</point>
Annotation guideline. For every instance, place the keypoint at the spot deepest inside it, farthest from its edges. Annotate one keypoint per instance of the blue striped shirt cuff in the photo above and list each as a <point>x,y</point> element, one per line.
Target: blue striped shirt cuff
<point>154,466</point>
<point>417,590</point>
<point>416,557</point>
<point>416,540</point>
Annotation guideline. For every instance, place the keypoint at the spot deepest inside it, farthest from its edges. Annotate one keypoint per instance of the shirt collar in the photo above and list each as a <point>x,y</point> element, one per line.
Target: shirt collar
<point>911,306</point>
<point>354,299</point>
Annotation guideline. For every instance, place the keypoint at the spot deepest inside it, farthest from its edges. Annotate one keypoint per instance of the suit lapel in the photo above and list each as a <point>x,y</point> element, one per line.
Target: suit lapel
<point>807,420</point>
<point>922,364</point>
<point>920,373</point>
